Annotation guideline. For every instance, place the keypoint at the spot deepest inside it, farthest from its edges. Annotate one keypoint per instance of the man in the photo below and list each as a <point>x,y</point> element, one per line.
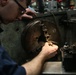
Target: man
<point>11,10</point>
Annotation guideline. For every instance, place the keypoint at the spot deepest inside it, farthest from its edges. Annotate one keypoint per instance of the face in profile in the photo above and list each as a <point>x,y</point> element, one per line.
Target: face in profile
<point>10,11</point>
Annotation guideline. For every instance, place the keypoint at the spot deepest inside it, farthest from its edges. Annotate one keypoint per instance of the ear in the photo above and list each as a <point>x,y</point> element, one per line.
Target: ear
<point>3,2</point>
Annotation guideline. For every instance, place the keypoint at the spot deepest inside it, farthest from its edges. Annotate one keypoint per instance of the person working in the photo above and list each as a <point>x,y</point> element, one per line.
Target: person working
<point>11,10</point>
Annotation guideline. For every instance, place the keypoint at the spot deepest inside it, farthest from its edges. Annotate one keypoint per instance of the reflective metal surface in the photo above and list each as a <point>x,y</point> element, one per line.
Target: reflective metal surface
<point>33,37</point>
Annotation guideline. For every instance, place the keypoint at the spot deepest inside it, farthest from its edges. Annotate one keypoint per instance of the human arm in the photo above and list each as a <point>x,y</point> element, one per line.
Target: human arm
<point>34,67</point>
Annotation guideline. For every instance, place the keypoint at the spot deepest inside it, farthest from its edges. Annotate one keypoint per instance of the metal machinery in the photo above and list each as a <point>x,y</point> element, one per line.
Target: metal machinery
<point>56,27</point>
<point>36,33</point>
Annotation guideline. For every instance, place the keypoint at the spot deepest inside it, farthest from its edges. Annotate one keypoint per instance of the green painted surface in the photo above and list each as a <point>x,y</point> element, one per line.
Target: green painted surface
<point>11,40</point>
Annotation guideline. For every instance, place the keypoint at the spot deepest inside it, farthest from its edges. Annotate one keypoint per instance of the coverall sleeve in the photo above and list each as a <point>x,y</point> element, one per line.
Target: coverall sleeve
<point>8,66</point>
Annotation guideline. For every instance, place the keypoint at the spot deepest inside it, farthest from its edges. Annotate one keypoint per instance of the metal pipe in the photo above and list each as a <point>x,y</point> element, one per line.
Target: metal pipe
<point>40,6</point>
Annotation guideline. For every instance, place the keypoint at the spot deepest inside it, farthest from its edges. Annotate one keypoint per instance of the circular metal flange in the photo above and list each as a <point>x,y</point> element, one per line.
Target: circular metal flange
<point>33,39</point>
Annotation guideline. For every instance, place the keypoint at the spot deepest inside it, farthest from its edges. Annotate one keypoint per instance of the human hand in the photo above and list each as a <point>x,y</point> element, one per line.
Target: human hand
<point>28,14</point>
<point>49,51</point>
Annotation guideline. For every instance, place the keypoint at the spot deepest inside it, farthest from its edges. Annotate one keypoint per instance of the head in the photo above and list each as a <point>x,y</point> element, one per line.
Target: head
<point>10,10</point>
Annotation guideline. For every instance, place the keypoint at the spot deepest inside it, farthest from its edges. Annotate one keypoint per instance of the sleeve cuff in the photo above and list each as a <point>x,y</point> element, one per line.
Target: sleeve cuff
<point>20,71</point>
